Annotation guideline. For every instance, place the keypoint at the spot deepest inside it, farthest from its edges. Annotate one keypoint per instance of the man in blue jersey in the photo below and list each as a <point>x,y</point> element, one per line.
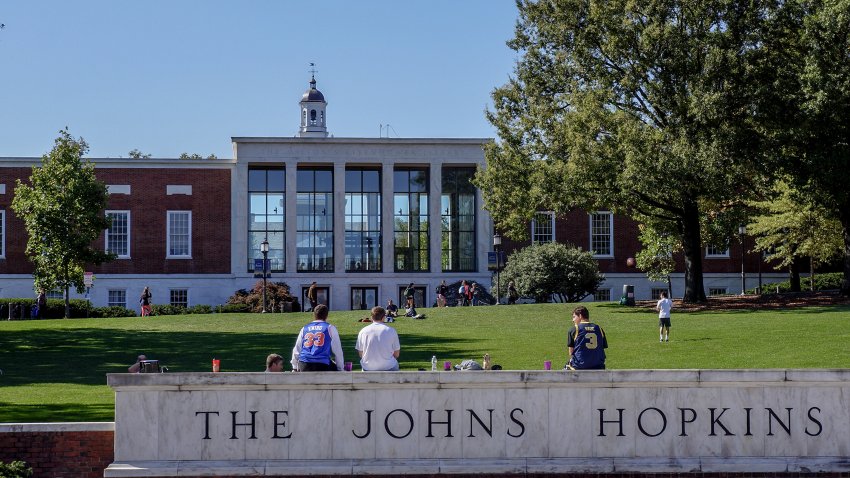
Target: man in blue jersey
<point>316,342</point>
<point>586,342</point>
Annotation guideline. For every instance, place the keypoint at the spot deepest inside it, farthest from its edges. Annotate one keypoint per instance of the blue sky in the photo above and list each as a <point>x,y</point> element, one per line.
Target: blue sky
<point>168,77</point>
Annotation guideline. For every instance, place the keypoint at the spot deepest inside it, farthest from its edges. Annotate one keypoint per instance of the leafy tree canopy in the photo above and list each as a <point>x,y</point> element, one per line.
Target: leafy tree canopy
<point>544,270</point>
<point>637,107</point>
<point>62,209</point>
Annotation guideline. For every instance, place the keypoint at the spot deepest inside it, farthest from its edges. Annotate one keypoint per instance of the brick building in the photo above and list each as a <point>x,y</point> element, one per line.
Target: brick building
<point>363,217</point>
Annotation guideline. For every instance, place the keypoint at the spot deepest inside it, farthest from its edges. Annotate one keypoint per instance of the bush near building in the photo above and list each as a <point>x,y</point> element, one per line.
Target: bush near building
<point>15,469</point>
<point>278,298</point>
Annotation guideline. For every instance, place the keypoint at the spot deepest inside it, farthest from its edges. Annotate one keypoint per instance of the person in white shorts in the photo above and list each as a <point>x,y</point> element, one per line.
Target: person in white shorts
<point>378,344</point>
<point>663,307</point>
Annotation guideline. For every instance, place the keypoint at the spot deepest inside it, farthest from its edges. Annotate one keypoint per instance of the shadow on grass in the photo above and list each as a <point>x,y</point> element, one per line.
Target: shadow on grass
<point>84,356</point>
<point>17,413</point>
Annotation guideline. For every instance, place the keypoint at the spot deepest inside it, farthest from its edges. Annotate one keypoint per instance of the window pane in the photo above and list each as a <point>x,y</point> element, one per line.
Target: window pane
<point>276,180</point>
<point>256,180</point>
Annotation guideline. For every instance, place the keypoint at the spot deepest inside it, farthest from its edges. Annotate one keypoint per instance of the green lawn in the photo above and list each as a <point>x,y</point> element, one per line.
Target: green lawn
<point>55,369</point>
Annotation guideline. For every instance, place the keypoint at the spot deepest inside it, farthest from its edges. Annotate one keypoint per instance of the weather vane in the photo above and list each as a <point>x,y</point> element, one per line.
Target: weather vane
<point>313,69</point>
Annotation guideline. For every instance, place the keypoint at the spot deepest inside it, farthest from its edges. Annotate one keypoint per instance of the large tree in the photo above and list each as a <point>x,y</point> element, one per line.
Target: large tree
<point>63,210</point>
<point>806,111</point>
<point>640,107</point>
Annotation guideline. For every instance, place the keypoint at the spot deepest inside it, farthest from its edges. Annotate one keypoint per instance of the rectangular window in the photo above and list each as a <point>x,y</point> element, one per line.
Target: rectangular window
<point>55,294</point>
<point>716,291</point>
<point>315,220</point>
<point>656,292</point>
<point>364,298</point>
<point>2,233</point>
<point>362,220</point>
<point>117,298</point>
<point>602,234</point>
<point>717,252</point>
<point>602,295</point>
<point>543,228</point>
<point>179,235</point>
<point>457,220</point>
<point>118,234</point>
<point>410,220</point>
<point>179,297</point>
<point>267,216</point>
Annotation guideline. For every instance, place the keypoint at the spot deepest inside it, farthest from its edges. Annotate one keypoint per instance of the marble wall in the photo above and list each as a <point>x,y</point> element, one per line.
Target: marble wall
<point>707,420</point>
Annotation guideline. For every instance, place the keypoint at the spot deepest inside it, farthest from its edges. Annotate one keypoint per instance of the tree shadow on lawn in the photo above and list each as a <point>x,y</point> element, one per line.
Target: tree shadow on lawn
<point>86,355</point>
<point>51,412</point>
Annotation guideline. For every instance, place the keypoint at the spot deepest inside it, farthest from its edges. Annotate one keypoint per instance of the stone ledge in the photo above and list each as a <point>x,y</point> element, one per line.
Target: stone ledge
<point>507,467</point>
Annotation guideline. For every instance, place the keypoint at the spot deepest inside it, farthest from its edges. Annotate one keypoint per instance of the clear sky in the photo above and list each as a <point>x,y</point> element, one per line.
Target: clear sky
<point>168,76</point>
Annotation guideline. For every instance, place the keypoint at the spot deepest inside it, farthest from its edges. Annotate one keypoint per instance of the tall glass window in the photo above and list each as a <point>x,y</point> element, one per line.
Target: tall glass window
<point>602,233</point>
<point>315,220</point>
<point>118,234</point>
<point>410,220</point>
<point>2,233</point>
<point>179,234</point>
<point>267,216</point>
<point>362,220</point>
<point>457,220</point>
<point>543,227</point>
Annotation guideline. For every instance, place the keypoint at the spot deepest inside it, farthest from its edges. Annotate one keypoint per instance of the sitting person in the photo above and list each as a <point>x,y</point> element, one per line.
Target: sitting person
<point>274,363</point>
<point>411,312</point>
<point>392,309</point>
<point>137,367</point>
<point>378,344</point>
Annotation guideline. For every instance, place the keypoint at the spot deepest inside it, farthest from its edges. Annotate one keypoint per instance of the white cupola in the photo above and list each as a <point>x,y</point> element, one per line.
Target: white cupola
<point>313,118</point>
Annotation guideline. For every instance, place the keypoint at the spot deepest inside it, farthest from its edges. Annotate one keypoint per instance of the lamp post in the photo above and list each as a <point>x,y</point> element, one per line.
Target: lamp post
<point>497,244</point>
<point>264,248</point>
<point>742,229</point>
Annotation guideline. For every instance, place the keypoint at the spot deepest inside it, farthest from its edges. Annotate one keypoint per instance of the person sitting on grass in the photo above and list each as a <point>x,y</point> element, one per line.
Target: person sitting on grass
<point>411,312</point>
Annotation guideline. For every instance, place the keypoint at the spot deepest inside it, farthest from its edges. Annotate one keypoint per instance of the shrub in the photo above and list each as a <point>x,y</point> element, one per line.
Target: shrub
<point>276,293</point>
<point>168,309</point>
<point>545,270</point>
<point>828,281</point>
<point>234,308</point>
<point>15,469</point>
<point>112,311</point>
<point>199,309</point>
<point>80,308</point>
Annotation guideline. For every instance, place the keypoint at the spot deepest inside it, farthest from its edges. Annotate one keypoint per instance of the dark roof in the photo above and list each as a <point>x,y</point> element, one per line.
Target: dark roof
<point>313,94</point>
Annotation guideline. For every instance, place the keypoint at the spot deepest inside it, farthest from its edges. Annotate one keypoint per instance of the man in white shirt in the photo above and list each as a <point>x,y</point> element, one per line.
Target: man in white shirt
<point>663,307</point>
<point>378,344</point>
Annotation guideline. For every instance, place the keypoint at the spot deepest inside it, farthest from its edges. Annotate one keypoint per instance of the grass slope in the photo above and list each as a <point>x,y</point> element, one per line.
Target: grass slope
<point>55,369</point>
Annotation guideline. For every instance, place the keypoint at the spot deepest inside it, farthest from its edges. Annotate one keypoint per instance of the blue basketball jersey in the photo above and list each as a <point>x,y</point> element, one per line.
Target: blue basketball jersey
<point>315,343</point>
<point>589,344</point>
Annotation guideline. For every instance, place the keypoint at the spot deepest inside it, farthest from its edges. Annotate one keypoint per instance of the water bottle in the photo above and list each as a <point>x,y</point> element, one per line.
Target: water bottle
<point>434,363</point>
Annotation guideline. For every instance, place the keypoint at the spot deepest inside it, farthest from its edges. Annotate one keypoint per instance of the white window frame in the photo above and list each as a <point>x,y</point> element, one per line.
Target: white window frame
<point>610,233</point>
<point>596,299</point>
<point>716,291</point>
<point>106,234</point>
<point>715,254</point>
<point>168,254</point>
<point>111,304</point>
<point>177,289</point>
<point>3,234</point>
<point>551,215</point>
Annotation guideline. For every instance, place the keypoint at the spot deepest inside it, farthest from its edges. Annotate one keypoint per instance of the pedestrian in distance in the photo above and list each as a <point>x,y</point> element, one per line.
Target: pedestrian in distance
<point>442,292</point>
<point>145,302</point>
<point>409,295</point>
<point>311,296</point>
<point>663,307</point>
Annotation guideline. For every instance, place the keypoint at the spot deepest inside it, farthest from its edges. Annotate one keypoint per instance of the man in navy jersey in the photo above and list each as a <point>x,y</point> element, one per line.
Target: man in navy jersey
<point>316,343</point>
<point>586,342</point>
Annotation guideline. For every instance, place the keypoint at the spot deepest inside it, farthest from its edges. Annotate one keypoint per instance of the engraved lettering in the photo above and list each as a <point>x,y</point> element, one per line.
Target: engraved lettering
<point>820,427</point>
<point>602,421</point>
<point>748,410</point>
<point>771,415</point>
<point>487,429</point>
<point>716,421</point>
<point>515,420</point>
<point>387,423</point>
<point>685,420</point>
<point>448,423</point>
<point>368,425</point>
<point>252,424</point>
<point>206,423</point>
<point>663,422</point>
<point>277,424</point>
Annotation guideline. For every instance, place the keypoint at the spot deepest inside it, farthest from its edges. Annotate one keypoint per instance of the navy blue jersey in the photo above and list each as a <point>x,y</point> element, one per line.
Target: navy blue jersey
<point>315,343</point>
<point>589,344</point>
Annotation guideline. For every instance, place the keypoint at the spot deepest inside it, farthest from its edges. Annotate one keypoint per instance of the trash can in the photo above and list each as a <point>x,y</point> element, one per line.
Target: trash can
<point>628,297</point>
<point>286,306</point>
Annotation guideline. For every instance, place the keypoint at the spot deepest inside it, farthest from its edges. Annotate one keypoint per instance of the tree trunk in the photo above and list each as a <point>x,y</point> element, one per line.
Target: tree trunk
<point>794,276</point>
<point>811,273</point>
<point>67,302</point>
<point>844,217</point>
<point>692,249</point>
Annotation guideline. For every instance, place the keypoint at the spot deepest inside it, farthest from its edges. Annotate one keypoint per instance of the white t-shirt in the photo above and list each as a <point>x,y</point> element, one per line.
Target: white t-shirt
<point>378,341</point>
<point>663,307</point>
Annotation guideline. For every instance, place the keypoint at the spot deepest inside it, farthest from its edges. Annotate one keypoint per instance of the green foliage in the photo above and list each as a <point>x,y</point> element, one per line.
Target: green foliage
<point>15,469</point>
<point>136,154</point>
<point>62,209</point>
<point>790,226</point>
<point>541,271</point>
<point>252,300</point>
<point>78,308</point>
<point>200,309</point>
<point>656,257</point>
<point>196,156</point>
<point>167,309</point>
<point>641,108</point>
<point>828,281</point>
<point>234,308</point>
<point>112,311</point>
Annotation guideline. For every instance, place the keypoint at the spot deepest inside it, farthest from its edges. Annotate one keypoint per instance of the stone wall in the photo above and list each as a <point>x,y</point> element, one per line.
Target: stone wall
<point>511,422</point>
<point>59,450</point>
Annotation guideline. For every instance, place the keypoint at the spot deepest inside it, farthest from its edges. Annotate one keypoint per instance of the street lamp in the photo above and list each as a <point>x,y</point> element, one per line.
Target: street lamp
<point>742,229</point>
<point>264,248</point>
<point>497,244</point>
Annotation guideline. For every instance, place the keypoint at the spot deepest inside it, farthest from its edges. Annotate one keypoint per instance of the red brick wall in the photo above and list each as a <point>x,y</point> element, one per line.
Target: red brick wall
<point>65,454</point>
<point>148,204</point>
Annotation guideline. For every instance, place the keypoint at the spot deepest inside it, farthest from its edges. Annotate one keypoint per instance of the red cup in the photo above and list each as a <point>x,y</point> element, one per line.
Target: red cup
<point>216,363</point>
